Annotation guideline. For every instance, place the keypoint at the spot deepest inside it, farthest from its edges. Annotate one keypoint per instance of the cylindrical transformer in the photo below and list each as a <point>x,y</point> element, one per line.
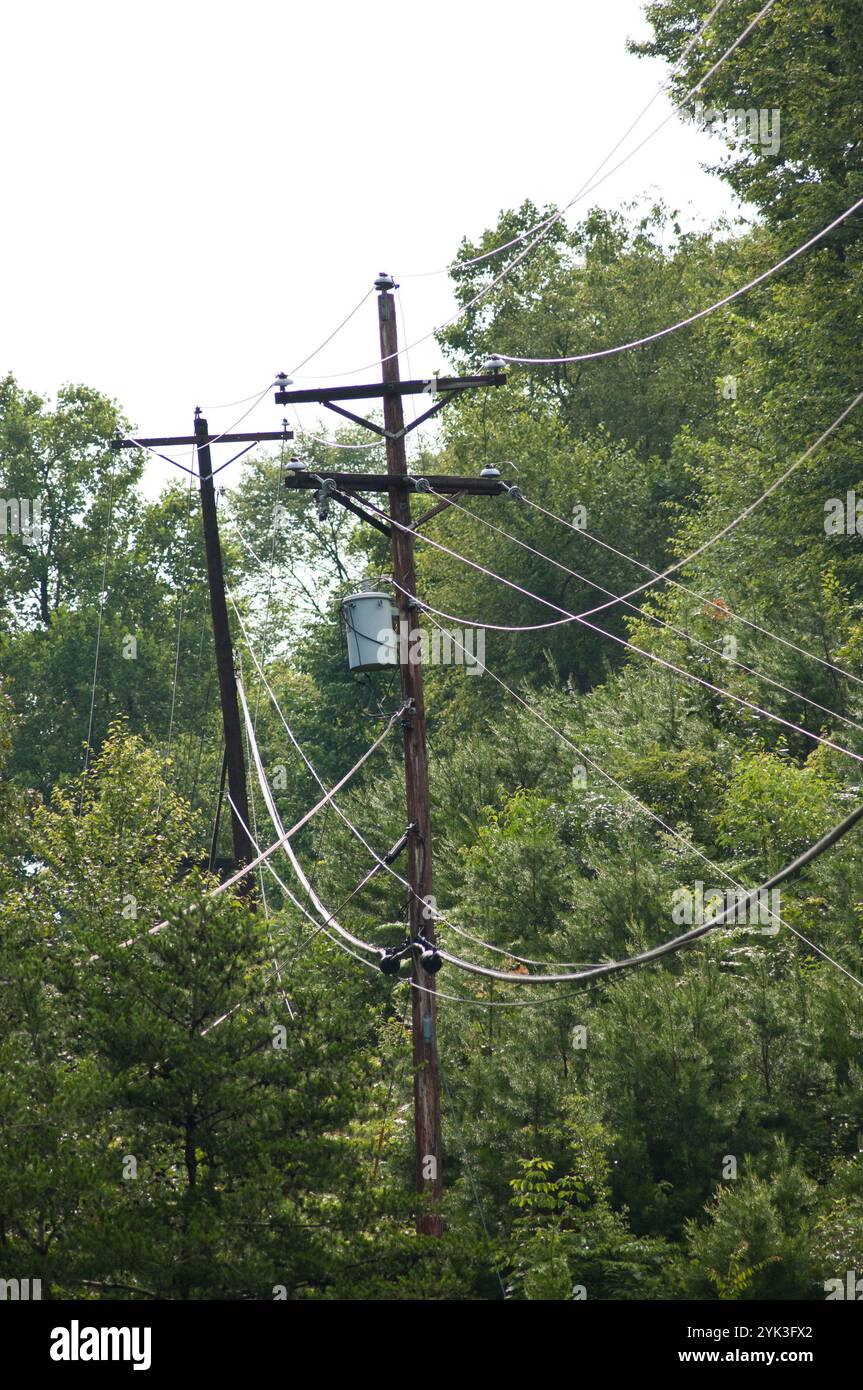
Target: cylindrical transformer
<point>371,637</point>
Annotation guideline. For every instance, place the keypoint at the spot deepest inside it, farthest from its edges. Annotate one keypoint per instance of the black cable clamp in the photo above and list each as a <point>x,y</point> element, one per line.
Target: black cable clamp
<point>392,957</point>
<point>392,854</point>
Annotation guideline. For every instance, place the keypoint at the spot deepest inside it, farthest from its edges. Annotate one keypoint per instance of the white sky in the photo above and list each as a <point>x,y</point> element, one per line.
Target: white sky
<point>196,194</point>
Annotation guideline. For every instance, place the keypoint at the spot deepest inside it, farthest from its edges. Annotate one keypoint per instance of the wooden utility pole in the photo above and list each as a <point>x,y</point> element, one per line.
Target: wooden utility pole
<point>427,1124</point>
<point>346,488</point>
<point>244,850</point>
<point>234,761</point>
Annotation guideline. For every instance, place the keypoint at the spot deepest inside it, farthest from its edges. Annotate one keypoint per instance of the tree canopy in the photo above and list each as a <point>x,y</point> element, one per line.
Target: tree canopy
<point>221,1109</point>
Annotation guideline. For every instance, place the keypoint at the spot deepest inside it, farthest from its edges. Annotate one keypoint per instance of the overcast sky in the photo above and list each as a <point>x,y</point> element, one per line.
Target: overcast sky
<point>196,194</point>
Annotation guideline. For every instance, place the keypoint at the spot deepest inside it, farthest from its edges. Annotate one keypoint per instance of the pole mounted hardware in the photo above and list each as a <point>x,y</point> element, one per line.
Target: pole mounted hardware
<point>347,489</point>
<point>425,951</point>
<point>443,389</point>
<point>234,770</point>
<point>382,482</point>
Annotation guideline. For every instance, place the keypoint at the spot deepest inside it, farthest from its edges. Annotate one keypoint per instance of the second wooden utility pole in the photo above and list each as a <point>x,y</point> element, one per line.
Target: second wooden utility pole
<point>429,1158</point>
<point>234,763</point>
<point>243,849</point>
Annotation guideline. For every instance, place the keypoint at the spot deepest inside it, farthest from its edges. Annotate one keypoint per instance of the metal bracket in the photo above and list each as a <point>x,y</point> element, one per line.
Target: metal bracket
<point>408,711</point>
<point>439,404</point>
<point>359,420</point>
<point>433,511</point>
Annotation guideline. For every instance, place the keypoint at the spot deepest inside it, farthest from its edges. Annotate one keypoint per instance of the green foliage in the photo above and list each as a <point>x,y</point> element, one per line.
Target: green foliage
<point>567,1242</point>
<point>772,810</point>
<point>588,1133</point>
<point>756,1243</point>
<point>802,60</point>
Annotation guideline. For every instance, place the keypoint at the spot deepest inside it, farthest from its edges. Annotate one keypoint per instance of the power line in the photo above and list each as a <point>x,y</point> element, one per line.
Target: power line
<point>487,289</point>
<point>452,998</point>
<point>693,318</point>
<point>341,944</point>
<point>443,920</point>
<point>536,714</point>
<point>265,855</point>
<point>608,777</point>
<point>732,614</point>
<point>826,842</point>
<point>651,617</point>
<point>332,335</point>
<point>719,535</point>
<point>329,919</point>
<point>676,943</point>
<point>273,813</point>
<point>319,927</point>
<point>226,405</point>
<point>680,563</point>
<point>262,882</point>
<point>507,976</point>
<point>602,632</point>
<point>380,862</point>
<point>622,347</point>
<point>332,443</point>
<point>588,186</point>
<point>633,647</point>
